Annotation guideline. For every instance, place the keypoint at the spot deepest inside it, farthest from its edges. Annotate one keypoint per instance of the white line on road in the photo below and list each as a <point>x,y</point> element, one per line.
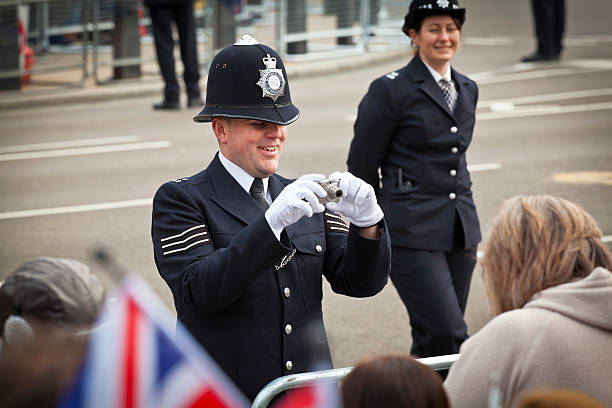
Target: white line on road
<point>587,93</point>
<point>484,166</point>
<point>68,143</point>
<point>76,208</point>
<point>543,110</point>
<point>85,150</point>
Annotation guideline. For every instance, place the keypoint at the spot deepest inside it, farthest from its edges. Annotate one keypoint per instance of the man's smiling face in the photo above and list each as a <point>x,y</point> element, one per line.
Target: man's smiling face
<point>254,145</point>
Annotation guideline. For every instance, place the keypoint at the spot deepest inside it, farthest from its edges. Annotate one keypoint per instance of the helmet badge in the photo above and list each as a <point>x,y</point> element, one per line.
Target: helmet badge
<point>442,3</point>
<point>271,82</point>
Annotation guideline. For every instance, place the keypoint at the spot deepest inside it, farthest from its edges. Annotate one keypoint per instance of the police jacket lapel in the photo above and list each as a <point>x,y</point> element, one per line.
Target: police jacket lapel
<point>231,197</point>
<point>464,95</point>
<point>419,73</point>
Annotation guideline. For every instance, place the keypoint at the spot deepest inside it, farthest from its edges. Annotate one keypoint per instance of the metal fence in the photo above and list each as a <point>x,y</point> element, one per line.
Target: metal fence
<point>287,382</point>
<point>69,41</point>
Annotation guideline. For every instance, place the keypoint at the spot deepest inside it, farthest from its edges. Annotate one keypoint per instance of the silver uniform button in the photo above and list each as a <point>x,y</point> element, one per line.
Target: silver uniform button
<point>453,129</point>
<point>287,292</point>
<point>318,248</point>
<point>454,150</point>
<point>453,173</point>
<point>452,196</point>
<point>288,329</point>
<point>289,365</point>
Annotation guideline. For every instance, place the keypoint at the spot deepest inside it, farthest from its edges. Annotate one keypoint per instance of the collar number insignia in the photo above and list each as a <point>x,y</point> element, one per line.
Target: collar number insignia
<point>442,3</point>
<point>271,82</point>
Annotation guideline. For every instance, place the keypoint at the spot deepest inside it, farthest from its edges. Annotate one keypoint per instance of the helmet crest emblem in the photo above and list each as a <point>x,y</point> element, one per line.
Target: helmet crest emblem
<point>271,81</point>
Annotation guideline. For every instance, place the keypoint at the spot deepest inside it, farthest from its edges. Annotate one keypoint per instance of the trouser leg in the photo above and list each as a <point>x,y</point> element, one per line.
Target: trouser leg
<point>161,20</point>
<point>559,26</point>
<point>425,284</point>
<point>544,16</point>
<point>185,23</point>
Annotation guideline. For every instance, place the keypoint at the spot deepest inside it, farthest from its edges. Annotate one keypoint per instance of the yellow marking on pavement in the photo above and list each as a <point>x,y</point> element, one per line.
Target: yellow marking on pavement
<point>584,177</point>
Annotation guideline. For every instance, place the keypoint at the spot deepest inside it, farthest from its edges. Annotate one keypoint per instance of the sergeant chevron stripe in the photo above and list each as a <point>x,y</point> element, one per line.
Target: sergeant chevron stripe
<point>185,240</point>
<point>334,223</point>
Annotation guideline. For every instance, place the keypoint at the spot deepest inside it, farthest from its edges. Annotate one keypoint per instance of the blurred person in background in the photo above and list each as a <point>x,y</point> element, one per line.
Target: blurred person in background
<point>393,381</point>
<point>415,125</point>
<point>48,297</point>
<point>549,25</point>
<point>47,308</point>
<point>548,281</point>
<point>163,13</point>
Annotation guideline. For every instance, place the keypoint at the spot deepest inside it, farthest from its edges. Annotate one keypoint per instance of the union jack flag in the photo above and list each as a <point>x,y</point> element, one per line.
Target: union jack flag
<point>135,359</point>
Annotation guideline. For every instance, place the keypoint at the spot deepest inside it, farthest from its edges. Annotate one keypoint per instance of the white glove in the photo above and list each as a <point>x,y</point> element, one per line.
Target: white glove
<point>358,201</point>
<point>296,200</point>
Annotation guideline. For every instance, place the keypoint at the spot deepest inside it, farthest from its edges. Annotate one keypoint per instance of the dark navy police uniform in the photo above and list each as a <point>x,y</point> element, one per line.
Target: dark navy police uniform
<point>245,296</point>
<point>405,128</point>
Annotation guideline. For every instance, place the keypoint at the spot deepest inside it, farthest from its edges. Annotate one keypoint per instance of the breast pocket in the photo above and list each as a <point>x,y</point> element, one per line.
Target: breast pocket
<point>310,254</point>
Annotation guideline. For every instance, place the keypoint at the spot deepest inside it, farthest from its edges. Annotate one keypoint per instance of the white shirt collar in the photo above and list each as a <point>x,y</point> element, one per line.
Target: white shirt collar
<point>436,76</point>
<point>242,177</point>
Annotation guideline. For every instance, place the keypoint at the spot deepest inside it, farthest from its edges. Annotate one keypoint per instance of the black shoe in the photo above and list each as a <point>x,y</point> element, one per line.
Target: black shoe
<point>536,57</point>
<point>195,102</point>
<point>167,105</point>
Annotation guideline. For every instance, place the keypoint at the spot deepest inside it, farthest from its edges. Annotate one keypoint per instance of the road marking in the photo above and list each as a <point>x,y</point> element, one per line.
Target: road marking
<point>527,71</point>
<point>484,167</point>
<point>488,40</point>
<point>85,150</point>
<point>584,177</point>
<point>587,93</point>
<point>68,143</point>
<point>542,110</point>
<point>76,208</point>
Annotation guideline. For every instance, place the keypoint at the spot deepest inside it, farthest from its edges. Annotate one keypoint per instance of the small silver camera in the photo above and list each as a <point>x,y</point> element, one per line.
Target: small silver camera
<point>334,192</point>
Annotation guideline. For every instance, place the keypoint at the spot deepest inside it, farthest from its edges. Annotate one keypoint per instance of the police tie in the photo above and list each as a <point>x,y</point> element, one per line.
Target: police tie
<point>257,194</point>
<point>450,94</point>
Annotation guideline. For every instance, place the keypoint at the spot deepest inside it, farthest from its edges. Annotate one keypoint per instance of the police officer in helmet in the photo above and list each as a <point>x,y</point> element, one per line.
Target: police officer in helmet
<point>243,249</point>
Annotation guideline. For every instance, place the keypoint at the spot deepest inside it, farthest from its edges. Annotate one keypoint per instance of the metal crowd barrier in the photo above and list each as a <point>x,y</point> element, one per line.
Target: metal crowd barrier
<point>42,37</point>
<point>66,41</point>
<point>287,382</point>
<point>308,29</point>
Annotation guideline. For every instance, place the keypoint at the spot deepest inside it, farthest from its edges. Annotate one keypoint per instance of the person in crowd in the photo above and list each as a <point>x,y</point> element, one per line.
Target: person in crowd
<point>162,14</point>
<point>549,25</point>
<point>48,297</point>
<point>393,381</point>
<point>243,249</point>
<point>548,281</point>
<point>415,125</point>
<point>37,373</point>
<point>555,398</point>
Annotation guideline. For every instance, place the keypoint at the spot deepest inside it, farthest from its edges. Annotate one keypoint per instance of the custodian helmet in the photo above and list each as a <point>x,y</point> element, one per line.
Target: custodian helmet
<point>419,9</point>
<point>248,80</point>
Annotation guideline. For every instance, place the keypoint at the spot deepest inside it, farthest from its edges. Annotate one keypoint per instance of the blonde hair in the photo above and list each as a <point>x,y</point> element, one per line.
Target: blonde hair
<point>537,242</point>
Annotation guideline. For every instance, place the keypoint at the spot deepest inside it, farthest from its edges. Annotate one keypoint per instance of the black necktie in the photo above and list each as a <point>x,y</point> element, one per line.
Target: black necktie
<point>257,194</point>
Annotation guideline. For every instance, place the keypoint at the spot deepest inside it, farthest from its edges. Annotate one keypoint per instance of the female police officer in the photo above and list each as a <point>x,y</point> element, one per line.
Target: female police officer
<point>415,124</point>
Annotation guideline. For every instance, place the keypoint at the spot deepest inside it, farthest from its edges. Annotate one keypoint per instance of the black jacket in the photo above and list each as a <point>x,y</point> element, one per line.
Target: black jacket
<point>236,287</point>
<point>404,123</point>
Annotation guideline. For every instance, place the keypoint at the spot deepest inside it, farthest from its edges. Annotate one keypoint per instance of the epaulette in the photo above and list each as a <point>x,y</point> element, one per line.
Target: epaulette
<point>392,75</point>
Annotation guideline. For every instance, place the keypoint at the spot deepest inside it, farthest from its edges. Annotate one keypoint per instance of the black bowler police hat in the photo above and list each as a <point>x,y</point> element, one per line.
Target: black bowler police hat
<point>248,80</point>
<point>419,9</point>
